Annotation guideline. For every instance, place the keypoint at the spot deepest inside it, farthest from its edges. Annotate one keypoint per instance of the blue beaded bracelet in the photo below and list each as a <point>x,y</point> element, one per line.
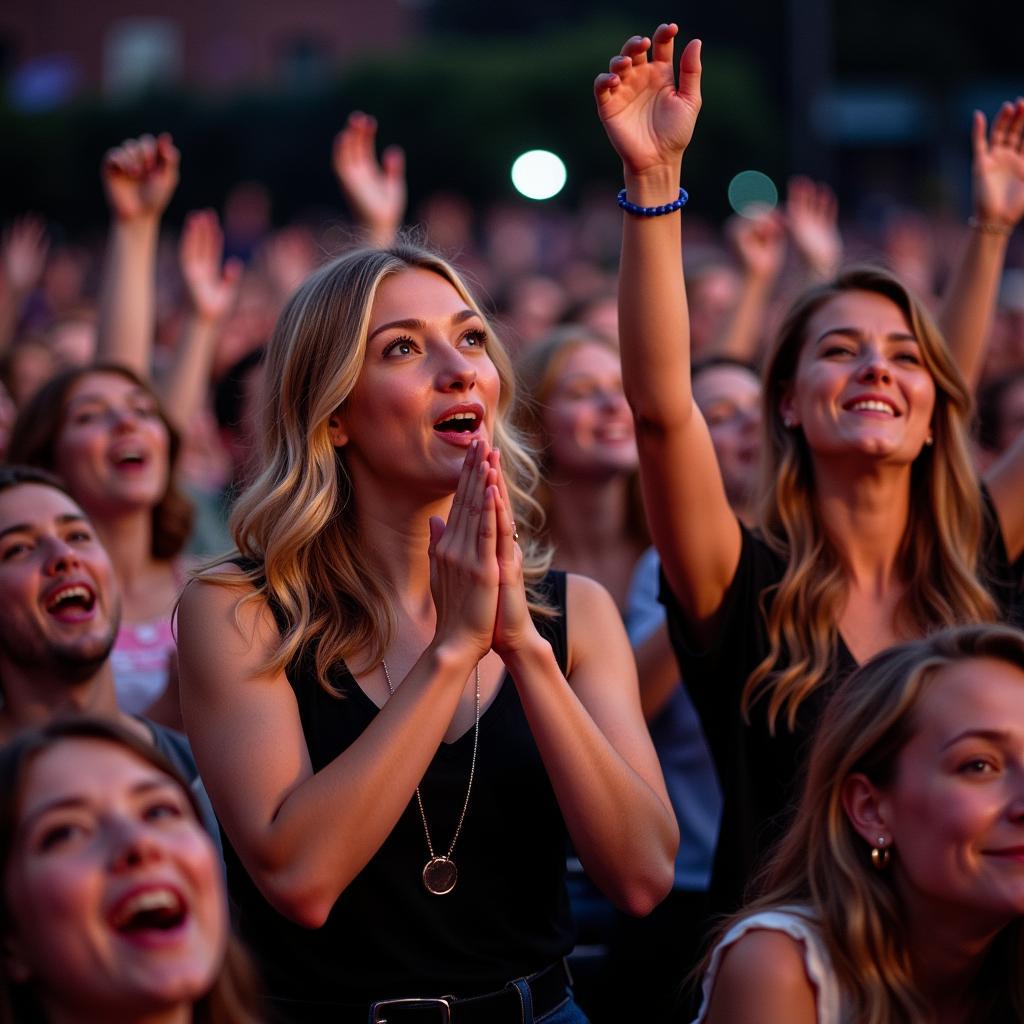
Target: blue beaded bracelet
<point>653,211</point>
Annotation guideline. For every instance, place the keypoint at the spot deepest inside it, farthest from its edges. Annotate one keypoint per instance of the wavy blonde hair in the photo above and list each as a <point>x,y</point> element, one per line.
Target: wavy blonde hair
<point>296,520</point>
<point>537,371</point>
<point>940,546</point>
<point>823,863</point>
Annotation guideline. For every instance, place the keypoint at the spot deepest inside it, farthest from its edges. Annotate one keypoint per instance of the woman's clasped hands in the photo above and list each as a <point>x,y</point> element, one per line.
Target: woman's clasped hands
<point>476,566</point>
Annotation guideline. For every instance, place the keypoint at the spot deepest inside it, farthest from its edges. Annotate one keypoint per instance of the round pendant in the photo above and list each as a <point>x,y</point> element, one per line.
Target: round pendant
<point>440,875</point>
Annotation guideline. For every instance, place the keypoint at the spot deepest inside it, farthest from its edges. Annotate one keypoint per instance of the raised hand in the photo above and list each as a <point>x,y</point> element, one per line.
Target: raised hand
<point>648,119</point>
<point>212,289</point>
<point>140,176</point>
<point>760,243</point>
<point>463,561</point>
<point>23,254</point>
<point>999,167</point>
<point>812,215</point>
<point>375,191</point>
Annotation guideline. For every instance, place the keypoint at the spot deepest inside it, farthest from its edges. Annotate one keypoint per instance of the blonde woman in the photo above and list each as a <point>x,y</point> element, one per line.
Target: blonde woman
<point>897,895</point>
<point>398,712</point>
<point>873,528</point>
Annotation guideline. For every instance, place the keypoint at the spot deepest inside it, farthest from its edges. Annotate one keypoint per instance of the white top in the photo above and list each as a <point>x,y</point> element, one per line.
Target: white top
<point>799,923</point>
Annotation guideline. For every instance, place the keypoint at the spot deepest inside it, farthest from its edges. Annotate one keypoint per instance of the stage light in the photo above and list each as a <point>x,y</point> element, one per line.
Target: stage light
<point>538,174</point>
<point>751,192</point>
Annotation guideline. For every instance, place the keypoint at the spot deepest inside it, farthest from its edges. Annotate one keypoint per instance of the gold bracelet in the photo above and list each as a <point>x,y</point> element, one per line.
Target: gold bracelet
<point>989,227</point>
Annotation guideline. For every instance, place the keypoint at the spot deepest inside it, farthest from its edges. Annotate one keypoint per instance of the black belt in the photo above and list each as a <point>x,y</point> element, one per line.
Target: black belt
<point>548,988</point>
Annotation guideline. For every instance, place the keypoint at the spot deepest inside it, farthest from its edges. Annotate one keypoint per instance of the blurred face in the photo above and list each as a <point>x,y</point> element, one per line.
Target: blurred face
<point>113,450</point>
<point>729,398</point>
<point>712,297</point>
<point>587,423</point>
<point>861,386</point>
<point>956,809</point>
<point>113,887</point>
<point>427,388</point>
<point>57,590</point>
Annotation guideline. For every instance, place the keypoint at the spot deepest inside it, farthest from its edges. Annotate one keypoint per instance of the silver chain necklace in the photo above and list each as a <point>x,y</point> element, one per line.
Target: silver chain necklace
<point>440,873</point>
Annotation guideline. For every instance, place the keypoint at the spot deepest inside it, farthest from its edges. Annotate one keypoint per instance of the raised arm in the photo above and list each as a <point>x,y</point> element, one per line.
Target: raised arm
<point>650,122</point>
<point>139,178</point>
<point>760,242</point>
<point>998,196</point>
<point>303,836</point>
<point>811,217</point>
<point>212,291</point>
<point>22,259</point>
<point>375,192</point>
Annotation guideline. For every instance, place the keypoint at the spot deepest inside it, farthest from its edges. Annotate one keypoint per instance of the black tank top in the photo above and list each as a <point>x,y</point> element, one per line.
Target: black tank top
<point>386,936</point>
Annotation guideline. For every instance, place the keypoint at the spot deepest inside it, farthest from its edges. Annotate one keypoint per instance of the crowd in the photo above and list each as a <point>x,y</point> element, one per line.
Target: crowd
<point>521,622</point>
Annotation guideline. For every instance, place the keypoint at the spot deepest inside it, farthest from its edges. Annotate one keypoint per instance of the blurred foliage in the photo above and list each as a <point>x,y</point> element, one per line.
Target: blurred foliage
<point>462,108</point>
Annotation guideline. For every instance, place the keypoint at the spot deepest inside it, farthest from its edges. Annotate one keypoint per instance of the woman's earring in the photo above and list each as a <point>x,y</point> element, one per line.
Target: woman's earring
<point>788,422</point>
<point>880,855</point>
<point>930,439</point>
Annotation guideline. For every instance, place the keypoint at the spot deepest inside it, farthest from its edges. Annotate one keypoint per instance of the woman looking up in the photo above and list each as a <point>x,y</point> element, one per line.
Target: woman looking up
<point>386,686</point>
<point>873,526</point>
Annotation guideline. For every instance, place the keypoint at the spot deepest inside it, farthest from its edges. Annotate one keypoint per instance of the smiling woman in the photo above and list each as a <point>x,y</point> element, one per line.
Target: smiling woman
<point>402,684</point>
<point>899,889</point>
<point>111,906</point>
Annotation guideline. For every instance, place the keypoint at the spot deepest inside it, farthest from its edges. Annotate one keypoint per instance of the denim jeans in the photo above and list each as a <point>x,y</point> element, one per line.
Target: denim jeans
<point>565,1013</point>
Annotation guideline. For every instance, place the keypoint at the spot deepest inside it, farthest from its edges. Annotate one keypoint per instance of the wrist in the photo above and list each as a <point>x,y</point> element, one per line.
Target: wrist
<point>530,652</point>
<point>984,224</point>
<point>454,657</point>
<point>655,186</point>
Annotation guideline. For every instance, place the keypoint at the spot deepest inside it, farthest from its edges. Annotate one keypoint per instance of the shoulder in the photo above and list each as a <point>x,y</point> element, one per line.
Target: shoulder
<point>762,976</point>
<point>589,606</point>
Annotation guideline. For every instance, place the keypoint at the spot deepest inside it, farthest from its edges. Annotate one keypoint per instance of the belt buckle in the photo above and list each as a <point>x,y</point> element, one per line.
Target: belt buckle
<point>443,1005</point>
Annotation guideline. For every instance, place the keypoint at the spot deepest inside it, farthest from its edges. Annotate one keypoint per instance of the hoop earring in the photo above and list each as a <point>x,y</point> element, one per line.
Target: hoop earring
<point>880,855</point>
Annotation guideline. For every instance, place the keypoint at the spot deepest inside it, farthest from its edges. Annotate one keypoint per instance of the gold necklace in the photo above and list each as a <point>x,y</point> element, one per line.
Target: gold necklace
<point>440,873</point>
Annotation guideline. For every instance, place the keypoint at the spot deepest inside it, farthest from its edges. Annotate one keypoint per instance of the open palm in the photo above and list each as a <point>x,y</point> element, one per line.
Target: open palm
<point>648,119</point>
<point>999,165</point>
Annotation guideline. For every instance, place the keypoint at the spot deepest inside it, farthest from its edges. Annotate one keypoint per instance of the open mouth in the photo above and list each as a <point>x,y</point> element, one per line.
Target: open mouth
<point>71,601</point>
<point>129,458</point>
<point>151,911</point>
<point>463,420</point>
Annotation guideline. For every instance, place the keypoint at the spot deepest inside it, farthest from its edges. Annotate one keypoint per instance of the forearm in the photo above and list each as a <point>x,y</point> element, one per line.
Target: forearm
<point>968,306</point>
<point>329,826</point>
<point>127,320</point>
<point>624,833</point>
<point>742,332</point>
<point>653,317</point>
<point>657,672</point>
<point>185,385</point>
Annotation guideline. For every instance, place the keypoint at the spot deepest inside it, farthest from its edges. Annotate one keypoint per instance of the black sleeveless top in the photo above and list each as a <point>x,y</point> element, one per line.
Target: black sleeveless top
<point>386,936</point>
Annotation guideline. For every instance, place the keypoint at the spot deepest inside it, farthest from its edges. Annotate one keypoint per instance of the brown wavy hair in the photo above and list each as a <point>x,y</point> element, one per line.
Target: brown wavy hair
<point>940,547</point>
<point>537,370</point>
<point>233,999</point>
<point>822,863</point>
<point>296,520</point>
<point>39,423</point>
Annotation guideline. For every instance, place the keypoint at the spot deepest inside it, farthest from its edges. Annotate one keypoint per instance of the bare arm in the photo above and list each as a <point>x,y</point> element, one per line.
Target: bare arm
<point>998,169</point>
<point>649,122</point>
<point>375,191</point>
<point>760,243</point>
<point>762,980</point>
<point>22,257</point>
<point>139,177</point>
<point>212,291</point>
<point>303,836</point>
<point>1005,482</point>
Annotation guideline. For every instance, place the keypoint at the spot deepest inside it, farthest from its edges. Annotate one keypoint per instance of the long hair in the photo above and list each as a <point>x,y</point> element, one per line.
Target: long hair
<point>233,997</point>
<point>823,863</point>
<point>537,372</point>
<point>938,556</point>
<point>39,424</point>
<point>296,521</point>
